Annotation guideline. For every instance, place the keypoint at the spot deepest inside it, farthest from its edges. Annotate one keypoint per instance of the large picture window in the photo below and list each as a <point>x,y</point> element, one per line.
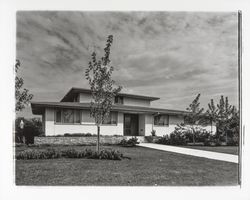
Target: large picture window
<point>112,118</point>
<point>67,116</point>
<point>161,120</point>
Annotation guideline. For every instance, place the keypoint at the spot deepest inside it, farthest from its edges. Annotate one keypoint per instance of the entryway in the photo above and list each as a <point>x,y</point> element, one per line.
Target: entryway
<point>131,125</point>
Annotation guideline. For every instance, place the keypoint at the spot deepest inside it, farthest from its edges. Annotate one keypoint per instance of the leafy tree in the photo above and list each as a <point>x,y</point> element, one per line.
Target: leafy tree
<point>194,116</point>
<point>22,95</point>
<point>225,115</point>
<point>211,113</point>
<point>102,87</point>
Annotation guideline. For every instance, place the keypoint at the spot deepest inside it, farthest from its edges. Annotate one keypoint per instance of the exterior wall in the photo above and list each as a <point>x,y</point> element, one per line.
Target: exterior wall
<point>85,98</point>
<point>166,130</point>
<point>52,129</point>
<point>49,121</point>
<point>162,130</point>
<point>136,102</point>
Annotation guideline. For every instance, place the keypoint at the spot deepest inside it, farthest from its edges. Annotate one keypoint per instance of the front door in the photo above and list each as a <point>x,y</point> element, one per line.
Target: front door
<point>131,125</point>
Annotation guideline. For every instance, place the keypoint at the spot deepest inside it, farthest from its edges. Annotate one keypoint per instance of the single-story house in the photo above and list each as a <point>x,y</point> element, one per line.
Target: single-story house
<point>131,115</point>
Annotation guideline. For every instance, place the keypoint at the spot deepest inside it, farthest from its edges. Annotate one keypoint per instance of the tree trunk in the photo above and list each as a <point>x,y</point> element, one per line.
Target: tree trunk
<point>211,126</point>
<point>98,139</point>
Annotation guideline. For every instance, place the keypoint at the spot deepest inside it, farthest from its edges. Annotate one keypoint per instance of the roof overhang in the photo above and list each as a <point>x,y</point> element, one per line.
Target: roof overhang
<point>38,108</point>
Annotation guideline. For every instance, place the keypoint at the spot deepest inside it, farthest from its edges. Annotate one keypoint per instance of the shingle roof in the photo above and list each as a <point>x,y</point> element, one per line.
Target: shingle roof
<point>38,108</point>
<point>73,91</point>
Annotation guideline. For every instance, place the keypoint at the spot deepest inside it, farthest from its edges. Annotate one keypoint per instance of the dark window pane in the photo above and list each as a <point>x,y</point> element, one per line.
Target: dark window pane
<point>58,116</point>
<point>119,100</point>
<point>161,120</point>
<point>77,116</point>
<point>111,119</point>
<point>68,116</point>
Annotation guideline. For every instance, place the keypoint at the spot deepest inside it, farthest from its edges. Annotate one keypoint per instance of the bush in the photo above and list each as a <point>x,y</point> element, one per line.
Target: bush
<point>130,142</point>
<point>78,135</point>
<point>163,140</point>
<point>38,154</point>
<point>183,135</point>
<point>107,154</point>
<point>32,128</point>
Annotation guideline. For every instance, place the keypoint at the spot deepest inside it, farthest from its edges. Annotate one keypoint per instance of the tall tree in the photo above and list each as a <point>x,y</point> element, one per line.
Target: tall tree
<point>194,116</point>
<point>211,113</point>
<point>22,95</point>
<point>102,87</point>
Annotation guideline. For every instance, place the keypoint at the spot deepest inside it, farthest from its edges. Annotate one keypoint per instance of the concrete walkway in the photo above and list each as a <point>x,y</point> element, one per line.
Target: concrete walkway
<point>193,152</point>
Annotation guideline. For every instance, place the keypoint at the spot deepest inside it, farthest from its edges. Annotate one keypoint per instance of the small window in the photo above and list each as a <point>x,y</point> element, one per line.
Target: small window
<point>161,120</point>
<point>58,116</point>
<point>111,119</point>
<point>119,100</point>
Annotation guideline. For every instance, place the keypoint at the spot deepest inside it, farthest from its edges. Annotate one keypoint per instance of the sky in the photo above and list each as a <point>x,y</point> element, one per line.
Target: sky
<point>171,55</point>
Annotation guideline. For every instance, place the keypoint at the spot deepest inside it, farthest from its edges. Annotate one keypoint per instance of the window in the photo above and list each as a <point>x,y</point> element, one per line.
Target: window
<point>58,116</point>
<point>119,100</point>
<point>86,118</point>
<point>161,120</point>
<point>111,119</point>
<point>67,116</point>
<point>77,117</point>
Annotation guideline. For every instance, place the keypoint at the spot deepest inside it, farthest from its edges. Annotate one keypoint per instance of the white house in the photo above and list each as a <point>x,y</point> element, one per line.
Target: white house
<point>131,115</point>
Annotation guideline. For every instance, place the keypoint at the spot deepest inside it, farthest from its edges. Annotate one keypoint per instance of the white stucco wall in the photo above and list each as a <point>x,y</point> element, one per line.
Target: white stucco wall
<point>162,130</point>
<point>84,98</point>
<point>136,102</point>
<point>51,128</point>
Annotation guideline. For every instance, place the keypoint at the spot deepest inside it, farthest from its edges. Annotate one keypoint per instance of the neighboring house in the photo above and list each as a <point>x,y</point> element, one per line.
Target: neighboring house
<point>131,115</point>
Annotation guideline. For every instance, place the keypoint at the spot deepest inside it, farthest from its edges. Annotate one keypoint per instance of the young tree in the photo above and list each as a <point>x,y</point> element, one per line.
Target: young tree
<point>102,87</point>
<point>22,95</point>
<point>224,115</point>
<point>211,113</point>
<point>194,116</point>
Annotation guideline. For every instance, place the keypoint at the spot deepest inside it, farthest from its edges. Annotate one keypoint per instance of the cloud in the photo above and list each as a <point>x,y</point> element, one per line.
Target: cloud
<point>172,55</point>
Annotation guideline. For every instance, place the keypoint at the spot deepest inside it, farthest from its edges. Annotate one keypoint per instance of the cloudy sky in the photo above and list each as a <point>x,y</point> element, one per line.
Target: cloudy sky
<point>171,55</point>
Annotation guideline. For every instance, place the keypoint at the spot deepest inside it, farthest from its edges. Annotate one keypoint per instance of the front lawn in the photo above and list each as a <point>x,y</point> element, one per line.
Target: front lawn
<point>221,149</point>
<point>146,167</point>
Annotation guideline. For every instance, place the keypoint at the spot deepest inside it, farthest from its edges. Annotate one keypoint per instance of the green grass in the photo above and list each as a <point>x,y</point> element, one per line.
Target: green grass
<point>221,149</point>
<point>146,167</point>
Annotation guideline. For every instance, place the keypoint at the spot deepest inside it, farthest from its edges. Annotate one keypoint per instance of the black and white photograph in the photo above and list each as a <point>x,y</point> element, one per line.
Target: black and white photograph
<point>111,93</point>
<point>133,98</point>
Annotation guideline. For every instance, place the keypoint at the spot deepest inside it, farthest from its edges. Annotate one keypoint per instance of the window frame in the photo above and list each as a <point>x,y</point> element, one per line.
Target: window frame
<point>110,118</point>
<point>161,125</point>
<point>61,116</point>
<point>119,100</point>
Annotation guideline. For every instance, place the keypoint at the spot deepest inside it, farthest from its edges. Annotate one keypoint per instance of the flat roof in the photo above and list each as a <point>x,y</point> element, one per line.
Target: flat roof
<point>39,107</point>
<point>73,91</point>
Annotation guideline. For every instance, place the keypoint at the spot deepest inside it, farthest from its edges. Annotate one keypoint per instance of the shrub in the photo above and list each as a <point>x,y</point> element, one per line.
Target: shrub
<point>107,154</point>
<point>32,127</point>
<point>78,135</point>
<point>130,142</point>
<point>163,140</point>
<point>38,154</point>
<point>153,132</point>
